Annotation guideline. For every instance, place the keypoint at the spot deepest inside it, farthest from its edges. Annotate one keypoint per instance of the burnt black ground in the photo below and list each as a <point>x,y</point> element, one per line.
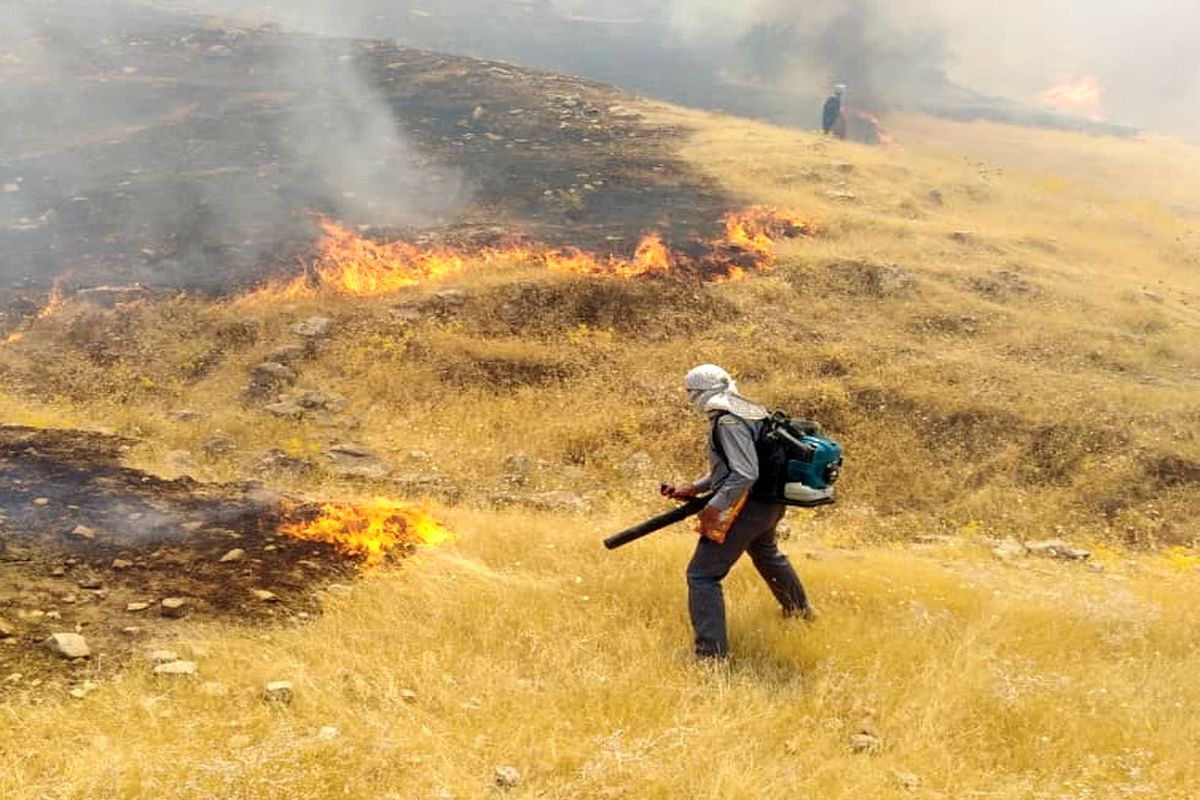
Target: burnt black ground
<point>164,152</point>
<point>142,539</point>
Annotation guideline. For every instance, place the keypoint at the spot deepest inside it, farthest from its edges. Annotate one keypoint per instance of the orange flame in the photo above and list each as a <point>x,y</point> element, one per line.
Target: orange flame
<point>54,304</point>
<point>371,530</point>
<point>885,138</point>
<point>1082,96</point>
<point>347,263</point>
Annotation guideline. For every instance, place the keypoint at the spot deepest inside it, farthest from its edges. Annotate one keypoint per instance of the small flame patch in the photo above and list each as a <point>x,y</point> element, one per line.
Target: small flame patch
<point>372,530</point>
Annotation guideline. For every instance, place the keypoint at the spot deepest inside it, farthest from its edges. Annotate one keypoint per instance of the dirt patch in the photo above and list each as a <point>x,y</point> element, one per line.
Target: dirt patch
<point>91,547</point>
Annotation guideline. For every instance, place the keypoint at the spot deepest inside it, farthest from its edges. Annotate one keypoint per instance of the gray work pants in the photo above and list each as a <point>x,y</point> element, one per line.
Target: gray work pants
<point>753,532</point>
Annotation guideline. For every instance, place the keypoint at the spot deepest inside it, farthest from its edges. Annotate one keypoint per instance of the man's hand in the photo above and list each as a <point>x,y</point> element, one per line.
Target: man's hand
<point>682,492</point>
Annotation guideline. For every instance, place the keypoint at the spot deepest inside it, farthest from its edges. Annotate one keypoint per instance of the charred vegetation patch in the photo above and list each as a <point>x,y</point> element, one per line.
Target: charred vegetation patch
<point>114,541</point>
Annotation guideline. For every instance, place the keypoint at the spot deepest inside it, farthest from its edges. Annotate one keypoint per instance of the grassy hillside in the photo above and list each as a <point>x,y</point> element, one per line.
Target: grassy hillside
<point>1005,346</point>
<point>527,645</point>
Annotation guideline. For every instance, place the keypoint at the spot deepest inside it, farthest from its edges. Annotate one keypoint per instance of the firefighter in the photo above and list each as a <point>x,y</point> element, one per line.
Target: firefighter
<point>733,522</point>
<point>833,119</point>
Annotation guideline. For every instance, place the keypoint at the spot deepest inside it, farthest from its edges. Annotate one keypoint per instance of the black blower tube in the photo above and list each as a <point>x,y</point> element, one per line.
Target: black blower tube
<point>692,506</point>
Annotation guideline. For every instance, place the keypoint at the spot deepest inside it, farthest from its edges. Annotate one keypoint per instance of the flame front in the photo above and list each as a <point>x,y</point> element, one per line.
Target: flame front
<point>350,264</point>
<point>53,305</point>
<point>371,530</point>
<point>1082,95</point>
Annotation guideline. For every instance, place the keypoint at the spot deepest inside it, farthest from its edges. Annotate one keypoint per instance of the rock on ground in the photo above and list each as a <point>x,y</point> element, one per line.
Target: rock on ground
<point>69,645</point>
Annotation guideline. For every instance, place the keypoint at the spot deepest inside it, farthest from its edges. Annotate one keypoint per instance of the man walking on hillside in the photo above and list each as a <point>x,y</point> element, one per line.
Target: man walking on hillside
<point>833,120</point>
<point>733,522</point>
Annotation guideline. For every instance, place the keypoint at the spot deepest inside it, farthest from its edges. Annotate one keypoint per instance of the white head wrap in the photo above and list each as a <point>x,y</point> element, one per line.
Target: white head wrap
<point>713,390</point>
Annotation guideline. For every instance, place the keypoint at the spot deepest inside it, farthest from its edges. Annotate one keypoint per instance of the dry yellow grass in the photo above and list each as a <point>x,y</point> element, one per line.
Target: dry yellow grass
<point>528,645</point>
<point>1035,376</point>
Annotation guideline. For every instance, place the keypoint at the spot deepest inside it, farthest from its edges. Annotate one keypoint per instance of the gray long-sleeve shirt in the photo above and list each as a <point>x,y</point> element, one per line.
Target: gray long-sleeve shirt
<point>731,475</point>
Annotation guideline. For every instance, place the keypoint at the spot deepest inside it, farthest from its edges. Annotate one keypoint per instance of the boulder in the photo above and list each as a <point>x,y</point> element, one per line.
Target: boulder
<point>68,645</point>
<point>313,327</point>
<point>174,607</point>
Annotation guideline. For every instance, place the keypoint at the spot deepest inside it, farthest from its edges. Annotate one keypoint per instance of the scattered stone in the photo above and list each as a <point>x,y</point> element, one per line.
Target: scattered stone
<point>314,400</point>
<point>219,444</point>
<point>1057,548</point>
<point>58,572</point>
<point>354,461</point>
<point>1153,297</point>
<point>450,298</point>
<point>278,458</point>
<point>408,695</point>
<point>1009,549</point>
<point>271,374</point>
<point>845,168</point>
<point>280,692</point>
<point>418,456</point>
<point>68,645</point>
<point>162,656</point>
<point>841,195</point>
<point>132,630</point>
<point>506,777</point>
<point>865,742</point>
<point>121,563</point>
<point>328,733</point>
<point>83,532</point>
<point>83,690</point>
<point>963,237</point>
<point>7,629</point>
<point>266,596</point>
<point>285,409</point>
<point>621,112</point>
<point>174,607</point>
<point>313,327</point>
<point>935,196</point>
<point>234,555</point>
<point>339,590</point>
<point>184,415</point>
<point>41,501</point>
<point>406,315</point>
<point>176,668</point>
<point>288,355</point>
<point>908,781</point>
<point>214,689</point>
<point>136,606</point>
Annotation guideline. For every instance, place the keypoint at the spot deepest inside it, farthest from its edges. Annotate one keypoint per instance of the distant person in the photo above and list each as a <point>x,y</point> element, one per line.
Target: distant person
<point>833,120</point>
<point>733,522</point>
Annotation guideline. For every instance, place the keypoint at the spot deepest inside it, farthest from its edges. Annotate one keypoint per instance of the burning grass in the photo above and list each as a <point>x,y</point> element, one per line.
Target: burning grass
<point>373,531</point>
<point>347,263</point>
